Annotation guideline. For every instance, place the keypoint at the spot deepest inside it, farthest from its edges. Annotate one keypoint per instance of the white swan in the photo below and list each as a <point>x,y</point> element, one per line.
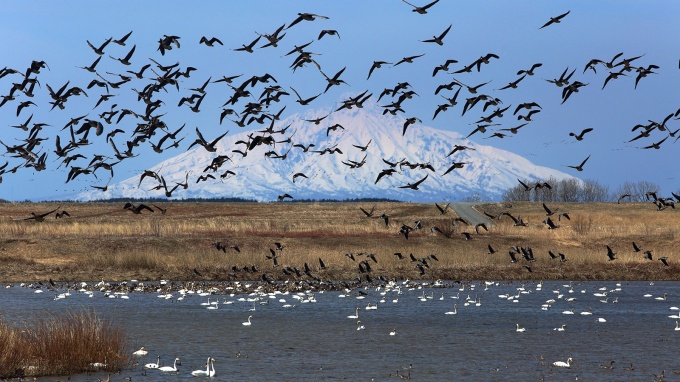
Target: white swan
<point>356,315</point>
<point>676,326</point>
<point>359,326</point>
<point>207,372</point>
<point>170,368</point>
<point>154,365</point>
<point>520,329</point>
<point>563,364</point>
<point>142,351</point>
<point>248,322</point>
<point>455,311</point>
<point>394,331</point>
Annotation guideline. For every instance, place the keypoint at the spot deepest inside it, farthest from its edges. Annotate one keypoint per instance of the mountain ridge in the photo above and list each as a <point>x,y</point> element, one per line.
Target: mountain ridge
<point>487,171</point>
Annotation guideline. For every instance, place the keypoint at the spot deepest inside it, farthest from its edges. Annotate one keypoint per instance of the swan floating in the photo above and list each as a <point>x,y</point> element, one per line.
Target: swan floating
<point>563,364</point>
<point>170,368</point>
<point>207,372</point>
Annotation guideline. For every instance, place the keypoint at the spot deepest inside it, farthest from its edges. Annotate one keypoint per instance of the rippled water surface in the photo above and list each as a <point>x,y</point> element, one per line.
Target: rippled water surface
<point>315,340</point>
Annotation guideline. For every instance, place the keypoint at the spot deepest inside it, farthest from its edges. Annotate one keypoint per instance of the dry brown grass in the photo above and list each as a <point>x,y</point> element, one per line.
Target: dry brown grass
<point>61,345</point>
<point>103,241</point>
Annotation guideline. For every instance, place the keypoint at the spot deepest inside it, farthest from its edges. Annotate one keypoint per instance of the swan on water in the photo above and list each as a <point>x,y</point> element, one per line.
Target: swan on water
<point>248,322</point>
<point>454,311</point>
<point>154,365</point>
<point>356,314</point>
<point>563,364</point>
<point>142,351</point>
<point>207,372</point>
<point>520,329</point>
<point>170,368</point>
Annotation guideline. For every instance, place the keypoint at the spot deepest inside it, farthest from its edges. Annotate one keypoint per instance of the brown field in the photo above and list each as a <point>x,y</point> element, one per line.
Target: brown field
<point>104,241</point>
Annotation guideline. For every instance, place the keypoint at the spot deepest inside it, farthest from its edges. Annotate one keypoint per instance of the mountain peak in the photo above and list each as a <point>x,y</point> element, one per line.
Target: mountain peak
<point>346,150</point>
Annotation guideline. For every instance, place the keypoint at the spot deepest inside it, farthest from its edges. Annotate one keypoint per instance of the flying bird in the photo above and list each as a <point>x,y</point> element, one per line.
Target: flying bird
<point>438,39</point>
<point>555,20</point>
<point>580,167</point>
<point>414,186</point>
<point>579,136</point>
<point>421,10</point>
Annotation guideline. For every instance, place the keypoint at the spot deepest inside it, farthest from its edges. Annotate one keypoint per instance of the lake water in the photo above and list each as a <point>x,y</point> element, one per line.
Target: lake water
<point>308,337</point>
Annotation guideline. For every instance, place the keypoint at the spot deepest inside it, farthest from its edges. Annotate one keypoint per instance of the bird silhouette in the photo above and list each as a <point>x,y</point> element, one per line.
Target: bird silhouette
<point>421,10</point>
<point>580,167</point>
<point>555,20</point>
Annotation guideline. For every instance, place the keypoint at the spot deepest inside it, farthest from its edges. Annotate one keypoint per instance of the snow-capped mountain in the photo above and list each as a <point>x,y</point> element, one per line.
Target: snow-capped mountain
<point>487,171</point>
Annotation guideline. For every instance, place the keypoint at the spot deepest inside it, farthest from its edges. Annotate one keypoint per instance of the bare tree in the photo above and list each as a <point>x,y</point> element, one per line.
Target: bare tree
<point>593,191</point>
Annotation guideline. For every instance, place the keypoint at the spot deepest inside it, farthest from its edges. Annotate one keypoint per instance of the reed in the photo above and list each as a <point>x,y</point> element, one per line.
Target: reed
<point>74,342</point>
<point>103,241</point>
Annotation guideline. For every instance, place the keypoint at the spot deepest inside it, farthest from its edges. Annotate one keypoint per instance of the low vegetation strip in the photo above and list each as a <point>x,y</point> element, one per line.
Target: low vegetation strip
<point>74,342</point>
<point>236,241</point>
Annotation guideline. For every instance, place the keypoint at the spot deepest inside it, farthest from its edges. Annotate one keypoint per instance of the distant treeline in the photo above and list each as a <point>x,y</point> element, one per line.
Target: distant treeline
<point>582,191</point>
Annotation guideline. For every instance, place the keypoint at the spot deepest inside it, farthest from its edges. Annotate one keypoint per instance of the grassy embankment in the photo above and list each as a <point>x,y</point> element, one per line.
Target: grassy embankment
<point>104,241</point>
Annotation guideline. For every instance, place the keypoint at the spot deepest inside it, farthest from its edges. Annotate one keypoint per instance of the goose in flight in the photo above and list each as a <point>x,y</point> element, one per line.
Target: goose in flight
<point>210,42</point>
<point>555,20</point>
<point>421,10</point>
<point>439,39</point>
<point>210,146</point>
<point>579,136</point>
<point>442,210</point>
<point>414,186</point>
<point>408,60</point>
<point>37,217</point>
<point>611,254</point>
<point>306,17</point>
<point>137,209</point>
<point>580,167</point>
<point>377,65</point>
<point>126,60</point>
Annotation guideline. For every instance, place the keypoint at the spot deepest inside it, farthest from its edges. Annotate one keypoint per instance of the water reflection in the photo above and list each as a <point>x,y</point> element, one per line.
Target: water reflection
<point>309,337</point>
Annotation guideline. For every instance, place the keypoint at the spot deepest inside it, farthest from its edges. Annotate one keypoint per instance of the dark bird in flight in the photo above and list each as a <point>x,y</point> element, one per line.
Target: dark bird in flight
<point>555,20</point>
<point>248,48</point>
<point>664,260</point>
<point>611,254</point>
<point>438,39</point>
<point>121,41</point>
<point>377,65</point>
<point>210,42</point>
<point>210,146</point>
<point>126,60</point>
<point>421,10</point>
<point>283,197</point>
<point>530,72</point>
<point>368,213</point>
<point>414,186</point>
<point>443,210</point>
<point>100,50</point>
<point>137,209</point>
<point>580,167</point>
<point>37,217</point>
<point>299,174</point>
<point>579,136</point>
<point>306,17</point>
<point>330,32</point>
<point>408,60</point>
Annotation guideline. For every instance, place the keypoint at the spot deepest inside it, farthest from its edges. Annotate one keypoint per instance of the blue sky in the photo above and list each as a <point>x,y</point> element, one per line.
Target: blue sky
<point>56,32</point>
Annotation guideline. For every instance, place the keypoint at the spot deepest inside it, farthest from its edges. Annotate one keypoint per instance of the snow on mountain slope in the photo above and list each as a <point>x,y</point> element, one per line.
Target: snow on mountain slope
<point>488,171</point>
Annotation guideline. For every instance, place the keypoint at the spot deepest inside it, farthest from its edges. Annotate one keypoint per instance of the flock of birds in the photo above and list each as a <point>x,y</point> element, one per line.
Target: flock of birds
<point>252,99</point>
<point>579,306</point>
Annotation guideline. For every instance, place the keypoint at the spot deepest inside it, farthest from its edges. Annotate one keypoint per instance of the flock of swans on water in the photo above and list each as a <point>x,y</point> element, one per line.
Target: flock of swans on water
<point>391,291</point>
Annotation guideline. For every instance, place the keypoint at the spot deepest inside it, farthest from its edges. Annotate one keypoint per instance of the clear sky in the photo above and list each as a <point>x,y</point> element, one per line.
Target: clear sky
<point>378,30</point>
